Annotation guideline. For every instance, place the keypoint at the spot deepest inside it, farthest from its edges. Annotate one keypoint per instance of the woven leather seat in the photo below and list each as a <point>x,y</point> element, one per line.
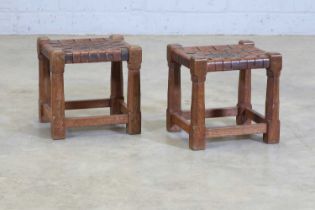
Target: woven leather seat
<point>113,48</point>
<point>223,57</point>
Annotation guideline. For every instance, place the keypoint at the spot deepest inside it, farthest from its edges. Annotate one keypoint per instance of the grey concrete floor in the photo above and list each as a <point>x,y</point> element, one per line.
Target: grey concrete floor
<point>103,168</point>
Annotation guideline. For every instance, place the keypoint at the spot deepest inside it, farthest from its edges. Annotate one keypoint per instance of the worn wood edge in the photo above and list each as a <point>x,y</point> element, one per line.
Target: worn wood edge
<point>40,41</point>
<point>275,65</point>
<point>255,116</point>
<point>73,122</point>
<point>47,111</point>
<point>213,113</point>
<point>236,130</point>
<point>56,56</point>
<point>86,104</point>
<point>246,42</point>
<point>135,57</point>
<point>180,121</point>
<point>175,54</point>
<point>123,107</point>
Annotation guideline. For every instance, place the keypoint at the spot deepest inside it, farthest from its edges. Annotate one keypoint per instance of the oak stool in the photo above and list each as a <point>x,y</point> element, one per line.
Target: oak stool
<point>54,54</point>
<point>200,60</point>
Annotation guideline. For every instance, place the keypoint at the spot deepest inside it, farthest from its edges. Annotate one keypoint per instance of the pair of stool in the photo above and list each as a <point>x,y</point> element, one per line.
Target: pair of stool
<point>54,54</point>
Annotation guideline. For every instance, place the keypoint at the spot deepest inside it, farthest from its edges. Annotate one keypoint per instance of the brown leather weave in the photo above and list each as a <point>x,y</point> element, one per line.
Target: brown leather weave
<point>224,57</point>
<point>88,50</point>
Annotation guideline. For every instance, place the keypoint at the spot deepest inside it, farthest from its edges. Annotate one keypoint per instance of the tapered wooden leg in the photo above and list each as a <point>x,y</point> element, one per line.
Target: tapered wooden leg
<point>117,87</point>
<point>244,97</point>
<point>174,95</point>
<point>197,130</point>
<point>44,81</point>
<point>244,91</point>
<point>133,95</point>
<point>272,100</point>
<point>58,130</point>
<point>44,87</point>
<point>174,89</point>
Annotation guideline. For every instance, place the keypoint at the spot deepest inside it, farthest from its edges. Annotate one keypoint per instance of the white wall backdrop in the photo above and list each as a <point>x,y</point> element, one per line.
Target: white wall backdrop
<point>157,16</point>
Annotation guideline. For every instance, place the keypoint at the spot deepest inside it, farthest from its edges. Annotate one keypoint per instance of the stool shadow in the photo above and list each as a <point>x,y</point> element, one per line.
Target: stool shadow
<point>153,125</point>
<point>36,129</point>
<point>105,130</point>
<point>45,133</point>
<point>155,130</point>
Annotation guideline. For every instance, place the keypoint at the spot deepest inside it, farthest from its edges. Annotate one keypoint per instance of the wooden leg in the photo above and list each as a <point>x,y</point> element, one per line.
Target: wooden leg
<point>244,91</point>
<point>197,133</point>
<point>174,95</point>
<point>44,80</point>
<point>244,97</point>
<point>272,111</point>
<point>44,87</point>
<point>133,95</point>
<point>58,130</point>
<point>197,130</point>
<point>117,90</point>
<point>272,100</point>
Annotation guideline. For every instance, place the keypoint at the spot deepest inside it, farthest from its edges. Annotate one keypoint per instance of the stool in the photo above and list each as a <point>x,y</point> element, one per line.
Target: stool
<point>54,54</point>
<point>200,60</point>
